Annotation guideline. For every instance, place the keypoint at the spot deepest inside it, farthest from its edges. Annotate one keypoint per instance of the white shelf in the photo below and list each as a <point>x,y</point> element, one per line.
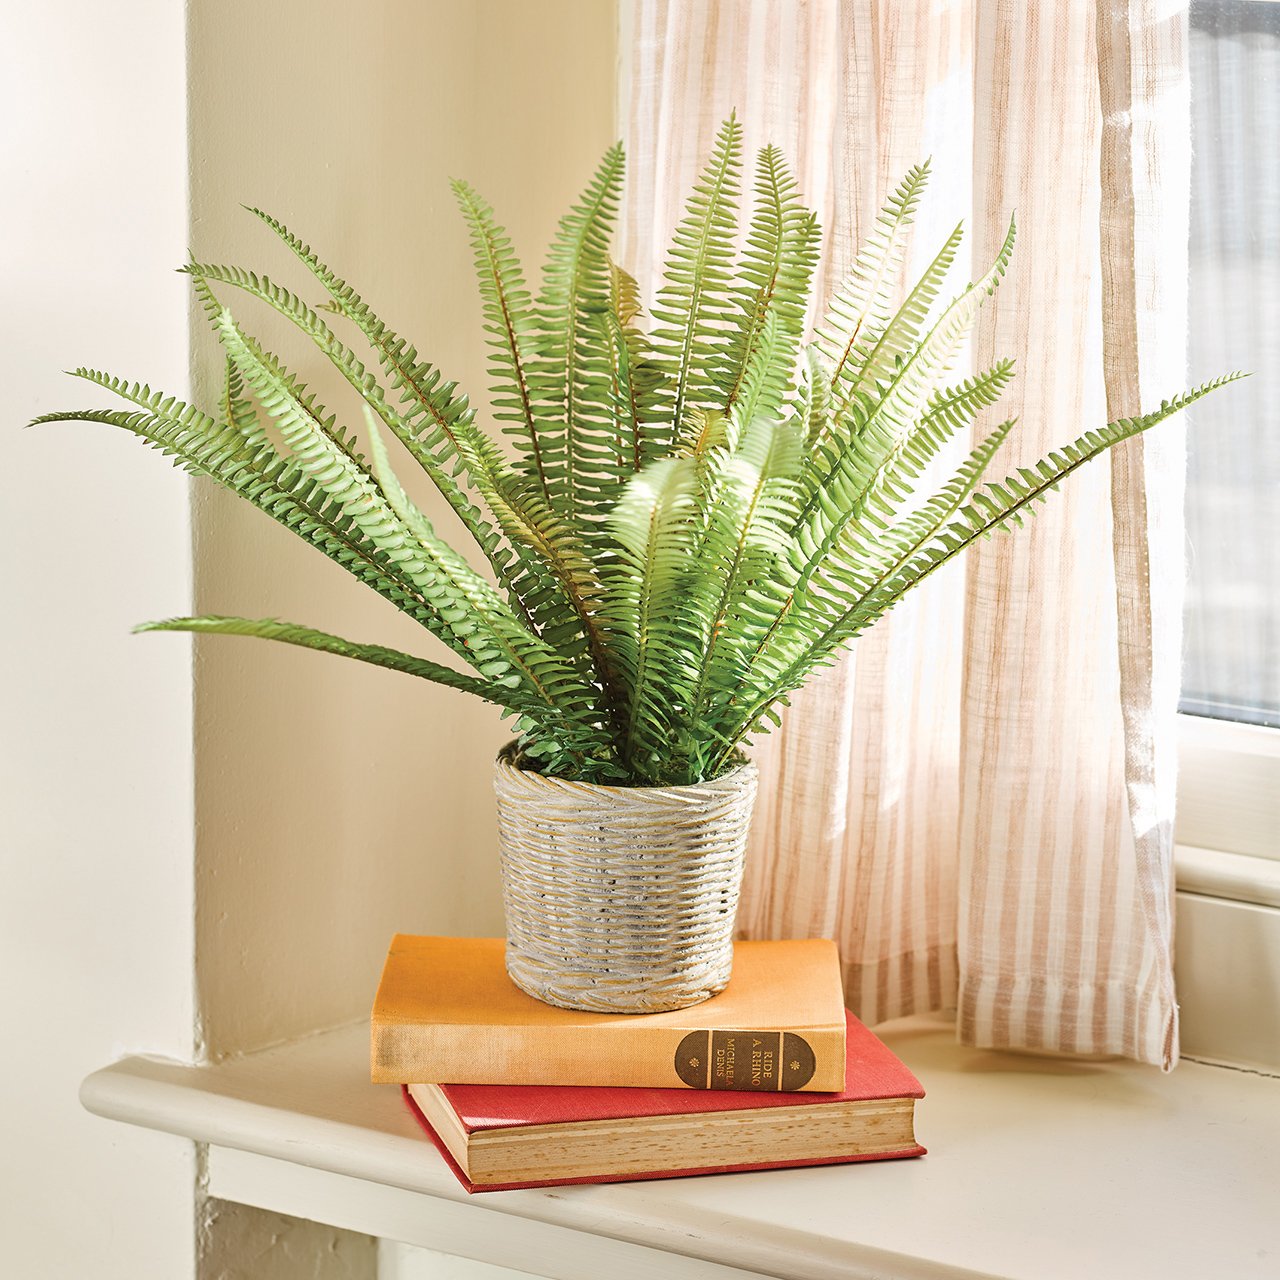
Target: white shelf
<point>1039,1169</point>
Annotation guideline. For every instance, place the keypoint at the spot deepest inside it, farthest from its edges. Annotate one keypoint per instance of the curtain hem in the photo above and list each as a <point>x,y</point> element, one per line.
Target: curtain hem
<point>918,981</point>
<point>1023,1014</point>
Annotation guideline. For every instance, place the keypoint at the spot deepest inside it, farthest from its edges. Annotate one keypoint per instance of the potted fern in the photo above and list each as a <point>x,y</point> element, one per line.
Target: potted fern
<point>685,521</point>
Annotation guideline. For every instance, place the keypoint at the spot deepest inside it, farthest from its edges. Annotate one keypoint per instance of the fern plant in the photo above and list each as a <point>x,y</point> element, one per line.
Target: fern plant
<point>687,518</point>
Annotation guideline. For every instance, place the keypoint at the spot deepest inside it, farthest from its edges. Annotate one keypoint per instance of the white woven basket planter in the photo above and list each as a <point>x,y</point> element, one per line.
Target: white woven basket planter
<point>621,899</point>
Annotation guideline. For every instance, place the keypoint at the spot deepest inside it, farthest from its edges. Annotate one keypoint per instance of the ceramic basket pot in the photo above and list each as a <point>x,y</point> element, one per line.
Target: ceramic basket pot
<point>621,899</point>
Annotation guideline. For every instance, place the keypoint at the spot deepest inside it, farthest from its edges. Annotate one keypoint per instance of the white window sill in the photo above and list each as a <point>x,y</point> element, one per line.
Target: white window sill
<point>1236,876</point>
<point>1038,1168</point>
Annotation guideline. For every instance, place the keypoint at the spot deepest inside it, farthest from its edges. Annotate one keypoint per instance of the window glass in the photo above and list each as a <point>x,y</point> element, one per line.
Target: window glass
<point>1232,664</point>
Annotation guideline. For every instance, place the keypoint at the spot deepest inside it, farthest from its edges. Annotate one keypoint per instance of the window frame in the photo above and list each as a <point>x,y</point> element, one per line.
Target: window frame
<point>1228,800</point>
<point>1227,873</point>
<point>1229,793</point>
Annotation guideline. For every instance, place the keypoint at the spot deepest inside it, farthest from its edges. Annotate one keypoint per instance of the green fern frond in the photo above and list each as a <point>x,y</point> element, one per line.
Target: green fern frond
<point>351,486</point>
<point>555,587</point>
<point>863,470</point>
<point>557,742</point>
<point>478,626</point>
<point>258,474</point>
<point>953,409</point>
<point>764,383</point>
<point>694,311</point>
<point>633,378</point>
<point>775,272</point>
<point>742,560</point>
<point>497,691</point>
<point>572,384</point>
<point>550,590</point>
<point>895,341</point>
<point>998,506</point>
<point>861,562</point>
<point>440,418</point>
<point>815,399</point>
<point>434,422</point>
<point>861,306</point>
<point>237,408</point>
<point>457,440</point>
<point>510,322</point>
<point>953,526</point>
<point>654,525</point>
<point>550,682</point>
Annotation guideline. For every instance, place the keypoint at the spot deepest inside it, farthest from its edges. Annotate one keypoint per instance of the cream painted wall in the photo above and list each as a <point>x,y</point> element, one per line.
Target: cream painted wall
<point>95,732</point>
<point>337,803</point>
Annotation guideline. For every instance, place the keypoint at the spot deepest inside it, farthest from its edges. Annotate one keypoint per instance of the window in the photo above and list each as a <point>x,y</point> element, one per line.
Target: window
<point>1229,792</point>
<point>1233,481</point>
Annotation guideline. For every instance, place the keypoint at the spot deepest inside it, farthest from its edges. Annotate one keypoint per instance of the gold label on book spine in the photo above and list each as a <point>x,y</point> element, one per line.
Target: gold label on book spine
<point>798,1062</point>
<point>771,1061</point>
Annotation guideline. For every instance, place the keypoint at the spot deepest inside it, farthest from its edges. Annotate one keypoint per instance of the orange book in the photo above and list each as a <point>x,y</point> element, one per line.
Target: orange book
<point>447,1013</point>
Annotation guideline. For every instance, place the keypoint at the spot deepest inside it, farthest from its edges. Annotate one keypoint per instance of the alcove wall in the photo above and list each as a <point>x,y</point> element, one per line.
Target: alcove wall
<point>338,803</point>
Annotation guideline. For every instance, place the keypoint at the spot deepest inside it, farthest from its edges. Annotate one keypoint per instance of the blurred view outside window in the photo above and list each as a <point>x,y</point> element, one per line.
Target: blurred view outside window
<point>1232,665</point>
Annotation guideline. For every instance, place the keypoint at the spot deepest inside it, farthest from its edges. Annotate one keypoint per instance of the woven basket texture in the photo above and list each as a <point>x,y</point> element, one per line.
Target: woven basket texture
<point>621,899</point>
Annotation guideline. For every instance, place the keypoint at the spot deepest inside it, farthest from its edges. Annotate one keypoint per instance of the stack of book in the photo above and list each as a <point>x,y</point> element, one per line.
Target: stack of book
<point>771,1073</point>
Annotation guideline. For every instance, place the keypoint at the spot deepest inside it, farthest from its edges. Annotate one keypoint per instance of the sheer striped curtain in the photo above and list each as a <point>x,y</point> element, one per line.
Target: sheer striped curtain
<point>977,803</point>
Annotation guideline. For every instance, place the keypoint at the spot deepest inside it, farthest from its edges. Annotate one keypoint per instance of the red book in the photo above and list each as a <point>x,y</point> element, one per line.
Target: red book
<point>500,1137</point>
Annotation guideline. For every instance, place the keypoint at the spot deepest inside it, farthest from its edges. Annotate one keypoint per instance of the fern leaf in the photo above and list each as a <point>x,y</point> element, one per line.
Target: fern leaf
<point>436,425</point>
<point>479,626</point>
<point>633,378</point>
<point>860,306</point>
<point>497,691</point>
<point>544,735</point>
<point>867,556</point>
<point>858,472</point>
<point>992,508</point>
<point>742,559</point>
<point>815,399</point>
<point>953,409</point>
<point>440,418</point>
<point>258,474</point>
<point>532,654</point>
<point>654,526</point>
<point>781,251</point>
<point>463,441</point>
<point>767,378</point>
<point>553,589</point>
<point>695,311</point>
<point>237,408</point>
<point>897,338</point>
<point>510,322</point>
<point>572,382</point>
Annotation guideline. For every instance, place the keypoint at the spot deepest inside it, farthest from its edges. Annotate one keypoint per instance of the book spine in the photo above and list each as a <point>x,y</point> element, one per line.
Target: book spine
<point>809,1059</point>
